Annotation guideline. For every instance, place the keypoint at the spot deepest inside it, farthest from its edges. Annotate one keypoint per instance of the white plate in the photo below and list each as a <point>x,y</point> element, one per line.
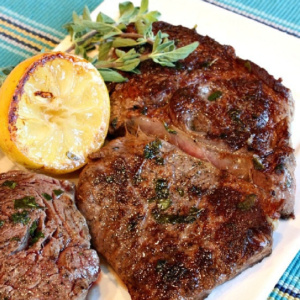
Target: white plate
<point>277,52</point>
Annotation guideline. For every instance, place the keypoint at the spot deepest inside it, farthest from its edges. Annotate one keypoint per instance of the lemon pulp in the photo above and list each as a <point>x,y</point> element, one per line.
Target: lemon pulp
<point>60,113</point>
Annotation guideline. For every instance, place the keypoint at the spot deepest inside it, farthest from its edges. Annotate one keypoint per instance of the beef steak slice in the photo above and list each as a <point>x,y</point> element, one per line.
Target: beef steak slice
<point>229,111</point>
<point>171,225</point>
<point>44,240</point>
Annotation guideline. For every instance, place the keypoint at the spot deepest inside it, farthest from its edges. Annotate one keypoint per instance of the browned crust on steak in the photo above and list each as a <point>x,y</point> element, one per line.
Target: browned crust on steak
<point>171,253</point>
<point>249,120</point>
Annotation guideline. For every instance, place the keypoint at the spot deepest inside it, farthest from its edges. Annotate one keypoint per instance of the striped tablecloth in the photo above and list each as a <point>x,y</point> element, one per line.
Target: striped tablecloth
<point>288,287</point>
<point>27,27</point>
<point>282,15</point>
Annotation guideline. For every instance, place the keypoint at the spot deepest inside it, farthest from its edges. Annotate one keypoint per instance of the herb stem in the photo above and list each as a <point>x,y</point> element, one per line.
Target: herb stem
<point>135,36</point>
<point>144,57</point>
<point>94,32</point>
<point>84,38</point>
<point>108,65</point>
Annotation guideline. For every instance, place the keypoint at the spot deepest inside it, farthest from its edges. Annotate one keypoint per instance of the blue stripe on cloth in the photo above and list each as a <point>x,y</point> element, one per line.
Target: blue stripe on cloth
<point>288,286</point>
<point>42,20</point>
<point>282,15</point>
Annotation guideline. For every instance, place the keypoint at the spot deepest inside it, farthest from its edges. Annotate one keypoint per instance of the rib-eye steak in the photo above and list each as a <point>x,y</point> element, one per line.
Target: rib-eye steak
<point>171,225</point>
<point>224,110</point>
<point>44,240</point>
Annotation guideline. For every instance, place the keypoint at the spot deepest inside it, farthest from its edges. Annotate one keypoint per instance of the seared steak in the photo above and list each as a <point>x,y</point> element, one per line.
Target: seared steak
<point>44,240</point>
<point>171,225</point>
<point>224,109</point>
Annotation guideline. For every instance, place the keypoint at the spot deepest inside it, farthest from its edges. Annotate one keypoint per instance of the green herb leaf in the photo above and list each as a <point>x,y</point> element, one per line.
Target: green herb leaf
<point>131,66</point>
<point>105,19</point>
<point>127,12</point>
<point>163,204</point>
<point>10,184</point>
<point>169,55</point>
<point>4,72</point>
<point>126,61</point>
<point>86,15</point>
<point>26,202</point>
<point>152,16</point>
<point>152,149</point>
<point>125,56</point>
<point>159,161</point>
<point>47,196</point>
<point>109,75</point>
<point>214,96</point>
<point>257,163</point>
<point>163,218</point>
<point>2,222</point>
<point>102,28</point>
<point>123,42</point>
<point>58,193</point>
<point>21,217</point>
<point>162,194</point>
<point>114,123</point>
<point>76,18</point>
<point>168,129</point>
<point>161,188</point>
<point>144,7</point>
<point>248,203</point>
<point>143,27</point>
<point>248,66</point>
<point>279,168</point>
<point>37,236</point>
<point>33,228</point>
<point>180,191</point>
<point>104,50</point>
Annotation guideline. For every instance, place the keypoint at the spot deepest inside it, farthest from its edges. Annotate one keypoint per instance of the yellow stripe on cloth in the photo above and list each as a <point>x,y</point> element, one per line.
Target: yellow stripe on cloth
<point>22,39</point>
<point>27,33</point>
<point>285,296</point>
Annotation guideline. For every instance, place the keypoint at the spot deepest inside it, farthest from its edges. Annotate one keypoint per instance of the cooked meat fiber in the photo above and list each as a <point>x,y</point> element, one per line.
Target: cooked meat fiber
<point>172,226</point>
<point>44,240</point>
<point>225,110</point>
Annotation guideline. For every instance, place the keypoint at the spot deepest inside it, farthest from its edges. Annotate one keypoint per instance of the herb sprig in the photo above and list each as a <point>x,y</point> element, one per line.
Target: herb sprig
<point>110,38</point>
<point>4,72</point>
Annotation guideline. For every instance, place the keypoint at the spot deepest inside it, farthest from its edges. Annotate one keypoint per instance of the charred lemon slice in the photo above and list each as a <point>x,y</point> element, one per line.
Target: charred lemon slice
<point>54,111</point>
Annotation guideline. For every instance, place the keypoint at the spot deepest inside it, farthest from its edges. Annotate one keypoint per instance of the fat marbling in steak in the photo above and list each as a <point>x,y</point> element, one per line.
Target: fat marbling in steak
<point>171,225</point>
<point>44,240</point>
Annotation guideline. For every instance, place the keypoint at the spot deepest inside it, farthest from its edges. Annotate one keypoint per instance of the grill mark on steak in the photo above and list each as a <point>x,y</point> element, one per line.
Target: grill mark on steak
<point>44,242</point>
<point>172,226</point>
<point>244,131</point>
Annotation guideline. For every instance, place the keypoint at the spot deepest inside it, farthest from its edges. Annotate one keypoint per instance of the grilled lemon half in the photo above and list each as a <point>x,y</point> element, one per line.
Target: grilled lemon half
<point>54,111</point>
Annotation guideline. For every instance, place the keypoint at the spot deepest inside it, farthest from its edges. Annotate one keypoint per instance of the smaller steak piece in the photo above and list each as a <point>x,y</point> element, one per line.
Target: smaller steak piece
<point>172,226</point>
<point>44,240</point>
